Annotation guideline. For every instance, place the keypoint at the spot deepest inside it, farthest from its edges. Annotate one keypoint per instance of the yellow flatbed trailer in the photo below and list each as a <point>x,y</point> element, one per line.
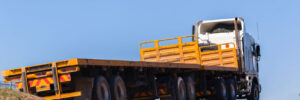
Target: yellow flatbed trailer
<point>73,65</point>
<point>53,76</point>
<point>41,76</point>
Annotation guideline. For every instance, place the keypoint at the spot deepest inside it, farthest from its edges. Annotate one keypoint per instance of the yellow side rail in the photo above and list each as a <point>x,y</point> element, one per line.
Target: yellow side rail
<point>219,55</point>
<point>189,52</point>
<point>184,52</point>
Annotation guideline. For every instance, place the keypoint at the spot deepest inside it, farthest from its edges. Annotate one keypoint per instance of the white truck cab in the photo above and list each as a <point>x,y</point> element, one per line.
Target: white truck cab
<point>219,31</point>
<point>232,30</point>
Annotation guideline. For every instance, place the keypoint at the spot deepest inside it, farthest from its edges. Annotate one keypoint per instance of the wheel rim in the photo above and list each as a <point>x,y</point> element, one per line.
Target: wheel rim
<point>191,90</point>
<point>119,89</point>
<point>223,90</point>
<point>182,91</point>
<point>104,91</point>
<point>232,91</point>
<point>256,94</point>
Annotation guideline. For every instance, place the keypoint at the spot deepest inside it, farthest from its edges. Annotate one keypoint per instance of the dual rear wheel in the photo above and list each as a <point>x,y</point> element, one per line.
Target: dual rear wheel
<point>115,89</point>
<point>183,89</point>
<point>225,90</point>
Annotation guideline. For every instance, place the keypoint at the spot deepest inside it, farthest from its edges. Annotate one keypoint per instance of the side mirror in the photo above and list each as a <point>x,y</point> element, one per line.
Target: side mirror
<point>193,32</point>
<point>257,50</point>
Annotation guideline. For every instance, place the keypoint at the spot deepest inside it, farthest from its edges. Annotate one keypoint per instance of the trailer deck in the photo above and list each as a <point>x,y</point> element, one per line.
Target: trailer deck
<point>184,56</point>
<point>42,76</point>
<point>111,63</point>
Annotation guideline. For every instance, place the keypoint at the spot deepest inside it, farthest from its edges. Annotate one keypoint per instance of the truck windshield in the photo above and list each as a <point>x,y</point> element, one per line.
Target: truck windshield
<point>218,27</point>
<point>218,32</point>
<point>223,27</point>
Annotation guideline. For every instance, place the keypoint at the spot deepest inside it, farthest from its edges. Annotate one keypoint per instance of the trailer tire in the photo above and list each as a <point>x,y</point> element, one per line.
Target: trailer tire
<point>190,88</point>
<point>179,92</point>
<point>231,89</point>
<point>254,95</point>
<point>221,92</point>
<point>118,88</point>
<point>102,89</point>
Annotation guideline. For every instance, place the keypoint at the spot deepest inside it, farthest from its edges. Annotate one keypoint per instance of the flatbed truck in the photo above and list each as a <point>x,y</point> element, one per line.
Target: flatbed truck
<point>219,62</point>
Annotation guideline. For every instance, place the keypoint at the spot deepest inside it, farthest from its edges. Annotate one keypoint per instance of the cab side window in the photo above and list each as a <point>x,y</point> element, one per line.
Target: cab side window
<point>253,49</point>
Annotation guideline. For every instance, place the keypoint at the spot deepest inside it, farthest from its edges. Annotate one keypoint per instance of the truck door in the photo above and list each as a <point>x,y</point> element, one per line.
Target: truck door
<point>249,59</point>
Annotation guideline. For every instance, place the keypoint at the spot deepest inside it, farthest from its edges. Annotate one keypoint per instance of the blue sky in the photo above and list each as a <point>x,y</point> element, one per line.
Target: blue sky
<point>39,31</point>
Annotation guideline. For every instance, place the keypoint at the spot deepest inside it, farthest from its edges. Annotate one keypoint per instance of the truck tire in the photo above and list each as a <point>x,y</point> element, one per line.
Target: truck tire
<point>231,89</point>
<point>221,92</point>
<point>254,95</point>
<point>190,88</point>
<point>102,89</point>
<point>179,92</point>
<point>118,88</point>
